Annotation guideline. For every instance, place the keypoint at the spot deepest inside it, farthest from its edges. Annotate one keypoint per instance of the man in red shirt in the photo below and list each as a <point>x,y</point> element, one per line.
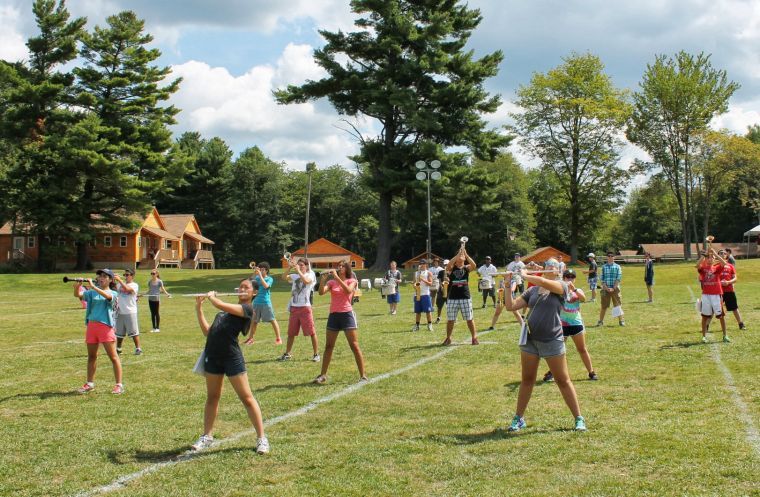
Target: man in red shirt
<point>710,266</point>
<point>727,280</point>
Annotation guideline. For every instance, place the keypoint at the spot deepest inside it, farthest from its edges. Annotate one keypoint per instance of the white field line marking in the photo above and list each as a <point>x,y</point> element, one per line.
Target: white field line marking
<point>189,455</point>
<point>753,435</point>
<point>46,312</point>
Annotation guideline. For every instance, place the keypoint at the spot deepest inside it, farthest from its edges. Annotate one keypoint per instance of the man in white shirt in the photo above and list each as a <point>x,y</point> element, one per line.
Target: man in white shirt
<point>301,316</point>
<point>515,267</point>
<point>425,279</point>
<point>126,310</point>
<point>486,271</point>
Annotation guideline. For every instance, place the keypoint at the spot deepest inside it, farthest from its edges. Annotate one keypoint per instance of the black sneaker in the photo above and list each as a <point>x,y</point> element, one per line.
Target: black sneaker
<point>592,376</point>
<point>548,377</point>
<point>490,328</point>
<point>742,327</point>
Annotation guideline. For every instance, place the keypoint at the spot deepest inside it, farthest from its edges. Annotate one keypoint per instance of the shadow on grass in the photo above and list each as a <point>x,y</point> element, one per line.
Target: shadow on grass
<point>429,346</point>
<point>285,386</point>
<point>681,345</point>
<point>168,455</point>
<point>489,436</point>
<point>41,395</point>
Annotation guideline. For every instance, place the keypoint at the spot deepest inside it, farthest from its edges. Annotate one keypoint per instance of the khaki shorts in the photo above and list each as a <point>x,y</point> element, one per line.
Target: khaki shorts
<point>614,296</point>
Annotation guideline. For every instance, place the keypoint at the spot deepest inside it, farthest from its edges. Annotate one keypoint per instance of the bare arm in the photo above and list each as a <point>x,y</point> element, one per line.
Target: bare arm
<point>199,313</point>
<point>77,286</point>
<point>513,304</point>
<point>323,284</point>
<point>553,286</point>
<point>234,309</point>
<point>163,289</point>
<point>106,295</point>
<point>348,288</point>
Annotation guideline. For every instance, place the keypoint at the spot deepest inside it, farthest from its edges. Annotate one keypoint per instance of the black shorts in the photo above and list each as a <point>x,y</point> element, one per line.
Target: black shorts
<point>729,298</point>
<point>570,331</point>
<point>231,366</point>
<point>341,321</point>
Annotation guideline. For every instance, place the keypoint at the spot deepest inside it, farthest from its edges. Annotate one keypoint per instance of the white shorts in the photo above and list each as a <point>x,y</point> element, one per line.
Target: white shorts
<point>126,325</point>
<point>712,304</point>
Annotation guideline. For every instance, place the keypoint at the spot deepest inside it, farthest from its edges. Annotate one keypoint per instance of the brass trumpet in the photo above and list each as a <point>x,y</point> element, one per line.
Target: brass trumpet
<point>462,241</point>
<point>252,264</point>
<point>417,289</point>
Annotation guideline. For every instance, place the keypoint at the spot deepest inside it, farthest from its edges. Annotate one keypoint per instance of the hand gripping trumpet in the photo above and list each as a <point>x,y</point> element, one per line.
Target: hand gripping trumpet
<point>709,239</point>
<point>501,298</point>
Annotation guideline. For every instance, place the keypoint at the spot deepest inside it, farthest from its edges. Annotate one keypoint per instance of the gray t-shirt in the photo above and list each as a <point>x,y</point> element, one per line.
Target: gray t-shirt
<point>543,322</point>
<point>154,290</point>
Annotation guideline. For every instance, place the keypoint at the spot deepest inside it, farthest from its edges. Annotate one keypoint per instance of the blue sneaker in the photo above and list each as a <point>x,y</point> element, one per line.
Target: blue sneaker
<point>580,424</point>
<point>518,424</point>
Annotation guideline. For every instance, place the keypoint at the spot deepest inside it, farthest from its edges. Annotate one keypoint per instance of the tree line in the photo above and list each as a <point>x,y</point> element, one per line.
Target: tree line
<point>90,146</point>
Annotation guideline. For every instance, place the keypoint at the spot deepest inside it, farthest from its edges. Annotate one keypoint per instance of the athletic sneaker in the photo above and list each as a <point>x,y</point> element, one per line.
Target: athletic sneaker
<point>320,379</point>
<point>156,331</point>
<point>86,388</point>
<point>285,357</point>
<point>592,376</point>
<point>315,358</point>
<point>580,424</point>
<point>600,323</point>
<point>475,341</point>
<point>153,330</point>
<point>278,341</point>
<point>490,328</point>
<point>393,313</point>
<point>704,339</point>
<point>484,306</point>
<point>363,379</point>
<point>592,300</point>
<point>430,327</point>
<point>118,350</point>
<point>416,327</point>
<point>437,320</point>
<point>204,442</point>
<point>548,377</point>
<point>262,446</point>
<point>726,339</point>
<point>518,424</point>
<point>138,351</point>
<point>742,326</point>
<point>118,389</point>
<point>622,323</point>
<point>447,341</point>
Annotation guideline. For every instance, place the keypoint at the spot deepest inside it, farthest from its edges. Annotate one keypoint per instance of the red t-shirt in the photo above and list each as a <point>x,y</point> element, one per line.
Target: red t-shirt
<point>729,272</point>
<point>340,301</point>
<point>710,278</point>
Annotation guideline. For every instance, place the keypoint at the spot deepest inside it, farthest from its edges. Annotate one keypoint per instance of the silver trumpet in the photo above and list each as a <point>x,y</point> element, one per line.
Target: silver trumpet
<point>462,241</point>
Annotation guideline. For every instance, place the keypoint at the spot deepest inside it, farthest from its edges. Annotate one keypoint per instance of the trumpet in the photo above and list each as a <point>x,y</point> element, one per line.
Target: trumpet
<point>66,279</point>
<point>446,286</point>
<point>501,298</point>
<point>462,241</point>
<point>709,239</point>
<point>252,264</point>
<point>206,294</point>
<point>417,289</point>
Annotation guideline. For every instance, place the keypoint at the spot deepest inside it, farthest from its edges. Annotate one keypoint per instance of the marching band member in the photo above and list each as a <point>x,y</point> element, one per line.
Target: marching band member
<point>424,304</point>
<point>155,287</point>
<point>443,292</point>
<point>459,299</point>
<point>301,316</point>
<point>224,357</point>
<point>262,303</point>
<point>434,269</point>
<point>486,271</point>
<point>99,318</point>
<point>710,267</point>
<point>126,313</point>
<point>543,338</point>
<point>727,280</point>
<point>341,317</point>
<point>394,276</point>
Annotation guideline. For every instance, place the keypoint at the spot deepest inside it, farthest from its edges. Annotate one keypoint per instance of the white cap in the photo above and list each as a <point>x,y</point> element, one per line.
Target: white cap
<point>445,262</point>
<point>590,254</point>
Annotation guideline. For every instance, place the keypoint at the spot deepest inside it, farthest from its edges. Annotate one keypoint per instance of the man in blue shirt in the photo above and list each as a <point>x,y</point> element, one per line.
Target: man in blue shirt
<point>611,276</point>
<point>262,303</point>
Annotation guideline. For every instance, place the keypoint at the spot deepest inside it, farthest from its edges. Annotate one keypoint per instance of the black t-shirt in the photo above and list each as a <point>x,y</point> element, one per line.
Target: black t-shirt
<point>592,269</point>
<point>459,283</point>
<point>222,341</point>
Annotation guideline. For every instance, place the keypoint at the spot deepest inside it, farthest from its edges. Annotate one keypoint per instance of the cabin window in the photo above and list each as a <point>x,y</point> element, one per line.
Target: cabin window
<point>106,241</point>
<point>122,241</point>
<point>167,244</point>
<point>30,242</point>
<point>353,263</point>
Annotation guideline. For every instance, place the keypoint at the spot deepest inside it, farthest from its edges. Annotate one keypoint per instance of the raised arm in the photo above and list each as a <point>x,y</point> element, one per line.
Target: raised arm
<point>554,286</point>
<point>323,283</point>
<point>124,287</point>
<point>234,309</point>
<point>106,294</point>
<point>201,318</point>
<point>510,303</point>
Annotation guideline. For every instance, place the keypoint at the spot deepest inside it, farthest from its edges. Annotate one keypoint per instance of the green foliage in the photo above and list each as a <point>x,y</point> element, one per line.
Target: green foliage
<point>407,69</point>
<point>572,119</point>
<point>650,216</point>
<point>677,99</point>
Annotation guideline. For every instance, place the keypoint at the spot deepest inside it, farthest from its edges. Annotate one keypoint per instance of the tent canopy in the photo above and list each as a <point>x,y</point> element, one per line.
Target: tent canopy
<point>754,231</point>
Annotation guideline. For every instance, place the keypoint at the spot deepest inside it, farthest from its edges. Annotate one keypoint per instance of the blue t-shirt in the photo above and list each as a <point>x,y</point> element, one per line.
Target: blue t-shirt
<point>264,296</point>
<point>99,308</point>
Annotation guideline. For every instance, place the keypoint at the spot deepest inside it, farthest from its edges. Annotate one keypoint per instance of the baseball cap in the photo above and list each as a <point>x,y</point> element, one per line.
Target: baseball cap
<point>569,273</point>
<point>488,257</point>
<point>423,261</point>
<point>590,254</point>
<point>129,271</point>
<point>517,254</point>
<point>445,262</point>
<point>107,272</point>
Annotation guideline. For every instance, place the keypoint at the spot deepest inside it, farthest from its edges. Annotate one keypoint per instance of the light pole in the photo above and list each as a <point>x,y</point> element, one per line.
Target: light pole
<point>310,168</point>
<point>426,174</point>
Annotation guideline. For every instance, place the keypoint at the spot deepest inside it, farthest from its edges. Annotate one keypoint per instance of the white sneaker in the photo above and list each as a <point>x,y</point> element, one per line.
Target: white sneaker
<point>316,358</point>
<point>262,446</point>
<point>204,442</point>
<point>430,327</point>
<point>157,331</point>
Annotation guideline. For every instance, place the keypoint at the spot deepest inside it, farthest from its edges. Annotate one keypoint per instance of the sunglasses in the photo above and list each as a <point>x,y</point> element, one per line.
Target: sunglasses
<point>152,274</point>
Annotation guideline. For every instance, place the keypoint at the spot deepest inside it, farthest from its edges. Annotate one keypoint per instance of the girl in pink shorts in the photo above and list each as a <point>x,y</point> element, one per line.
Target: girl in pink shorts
<point>99,318</point>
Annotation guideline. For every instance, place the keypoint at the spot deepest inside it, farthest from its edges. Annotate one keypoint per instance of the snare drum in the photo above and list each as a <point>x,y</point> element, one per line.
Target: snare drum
<point>485,284</point>
<point>387,289</point>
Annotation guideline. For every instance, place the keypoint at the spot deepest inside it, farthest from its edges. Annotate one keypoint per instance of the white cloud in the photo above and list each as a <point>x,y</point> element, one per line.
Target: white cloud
<point>738,117</point>
<point>12,42</point>
<point>242,110</point>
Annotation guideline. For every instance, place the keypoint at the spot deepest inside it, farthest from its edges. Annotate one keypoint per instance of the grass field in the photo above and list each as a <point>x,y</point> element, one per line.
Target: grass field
<point>669,416</point>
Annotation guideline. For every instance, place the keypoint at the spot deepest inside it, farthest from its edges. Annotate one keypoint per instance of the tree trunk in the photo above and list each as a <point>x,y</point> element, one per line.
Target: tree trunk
<point>81,256</point>
<point>384,232</point>
<point>42,246</point>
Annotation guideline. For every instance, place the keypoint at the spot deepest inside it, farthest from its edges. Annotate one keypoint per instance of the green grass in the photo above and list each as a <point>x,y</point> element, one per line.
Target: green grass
<point>662,420</point>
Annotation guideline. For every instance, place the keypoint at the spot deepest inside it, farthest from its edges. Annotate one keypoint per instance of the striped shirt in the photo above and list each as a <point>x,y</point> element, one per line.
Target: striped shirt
<point>611,274</point>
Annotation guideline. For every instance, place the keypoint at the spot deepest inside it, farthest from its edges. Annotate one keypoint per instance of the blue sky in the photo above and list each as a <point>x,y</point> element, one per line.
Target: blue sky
<point>232,53</point>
